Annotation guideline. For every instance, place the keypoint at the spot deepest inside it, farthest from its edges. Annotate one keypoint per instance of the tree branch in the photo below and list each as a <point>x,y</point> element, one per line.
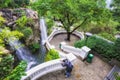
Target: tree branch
<point>72,22</point>
<point>68,19</point>
<point>62,23</point>
<point>79,25</point>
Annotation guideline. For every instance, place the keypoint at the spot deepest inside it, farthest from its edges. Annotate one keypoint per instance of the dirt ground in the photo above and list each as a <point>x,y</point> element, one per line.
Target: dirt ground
<point>96,70</point>
<point>61,38</point>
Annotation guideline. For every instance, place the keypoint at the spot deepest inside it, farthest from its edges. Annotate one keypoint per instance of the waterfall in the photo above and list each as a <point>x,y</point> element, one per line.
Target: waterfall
<point>43,38</point>
<point>43,30</point>
<point>22,52</point>
<point>108,3</point>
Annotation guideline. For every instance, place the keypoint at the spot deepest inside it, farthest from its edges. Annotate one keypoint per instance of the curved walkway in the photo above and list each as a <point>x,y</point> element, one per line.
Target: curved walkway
<point>82,71</point>
<point>97,70</point>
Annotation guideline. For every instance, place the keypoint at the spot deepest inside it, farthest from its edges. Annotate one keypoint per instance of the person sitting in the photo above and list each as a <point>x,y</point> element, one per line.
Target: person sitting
<point>66,63</point>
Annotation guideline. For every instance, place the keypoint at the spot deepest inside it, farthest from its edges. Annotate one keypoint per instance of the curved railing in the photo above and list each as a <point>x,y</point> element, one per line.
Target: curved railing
<point>59,31</point>
<point>46,68</point>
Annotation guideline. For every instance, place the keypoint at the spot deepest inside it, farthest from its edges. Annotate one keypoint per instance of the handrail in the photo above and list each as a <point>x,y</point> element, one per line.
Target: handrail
<point>43,69</point>
<point>47,67</point>
<point>59,31</point>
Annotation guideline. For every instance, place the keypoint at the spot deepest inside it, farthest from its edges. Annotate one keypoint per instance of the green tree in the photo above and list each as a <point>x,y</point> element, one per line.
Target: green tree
<point>13,3</point>
<point>4,3</point>
<point>116,10</point>
<point>73,13</point>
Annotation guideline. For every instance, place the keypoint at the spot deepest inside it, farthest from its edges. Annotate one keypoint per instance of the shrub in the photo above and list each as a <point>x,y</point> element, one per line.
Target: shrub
<point>6,33</point>
<point>79,43</point>
<point>52,54</point>
<point>18,72</point>
<point>100,45</point>
<point>108,36</point>
<point>16,34</point>
<point>21,22</point>
<point>27,32</point>
<point>2,42</point>
<point>90,42</point>
<point>35,47</point>
<point>22,26</point>
<point>6,65</point>
<point>117,76</point>
<point>117,49</point>
<point>2,20</point>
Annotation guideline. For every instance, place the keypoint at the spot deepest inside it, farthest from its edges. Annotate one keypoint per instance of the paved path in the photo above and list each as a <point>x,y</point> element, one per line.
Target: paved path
<point>97,70</point>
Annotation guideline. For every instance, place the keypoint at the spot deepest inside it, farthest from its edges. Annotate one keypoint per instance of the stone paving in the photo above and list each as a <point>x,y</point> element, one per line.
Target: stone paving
<point>96,70</point>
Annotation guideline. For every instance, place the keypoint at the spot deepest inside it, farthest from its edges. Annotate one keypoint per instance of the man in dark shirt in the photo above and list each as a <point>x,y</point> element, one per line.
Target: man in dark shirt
<point>66,63</point>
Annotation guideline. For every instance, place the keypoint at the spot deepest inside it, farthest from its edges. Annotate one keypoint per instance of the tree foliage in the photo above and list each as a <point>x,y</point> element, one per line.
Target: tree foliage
<point>6,34</point>
<point>116,10</point>
<point>13,3</point>
<point>73,13</point>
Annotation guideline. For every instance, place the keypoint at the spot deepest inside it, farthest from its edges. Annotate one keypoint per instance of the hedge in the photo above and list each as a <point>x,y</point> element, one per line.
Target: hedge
<point>102,46</point>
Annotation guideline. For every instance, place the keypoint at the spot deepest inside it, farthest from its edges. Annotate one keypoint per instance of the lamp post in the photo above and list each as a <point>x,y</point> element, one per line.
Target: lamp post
<point>88,34</point>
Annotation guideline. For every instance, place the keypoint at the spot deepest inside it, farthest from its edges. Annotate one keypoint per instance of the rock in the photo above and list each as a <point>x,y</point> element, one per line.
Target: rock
<point>31,14</point>
<point>11,15</point>
<point>10,23</point>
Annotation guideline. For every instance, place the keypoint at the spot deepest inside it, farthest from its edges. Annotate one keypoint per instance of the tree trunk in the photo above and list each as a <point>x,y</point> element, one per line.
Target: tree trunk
<point>68,36</point>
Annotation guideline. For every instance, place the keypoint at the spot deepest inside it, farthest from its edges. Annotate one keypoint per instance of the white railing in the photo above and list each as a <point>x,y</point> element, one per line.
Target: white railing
<point>48,46</point>
<point>83,52</point>
<point>79,34</point>
<point>47,67</point>
<point>59,31</point>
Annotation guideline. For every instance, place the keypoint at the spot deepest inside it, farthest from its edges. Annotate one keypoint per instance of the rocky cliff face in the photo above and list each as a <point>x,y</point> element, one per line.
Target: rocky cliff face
<point>11,15</point>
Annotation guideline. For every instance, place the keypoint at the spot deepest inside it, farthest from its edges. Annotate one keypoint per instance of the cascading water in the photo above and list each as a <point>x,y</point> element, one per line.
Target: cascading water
<point>108,3</point>
<point>43,38</point>
<point>43,30</point>
<point>22,52</point>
